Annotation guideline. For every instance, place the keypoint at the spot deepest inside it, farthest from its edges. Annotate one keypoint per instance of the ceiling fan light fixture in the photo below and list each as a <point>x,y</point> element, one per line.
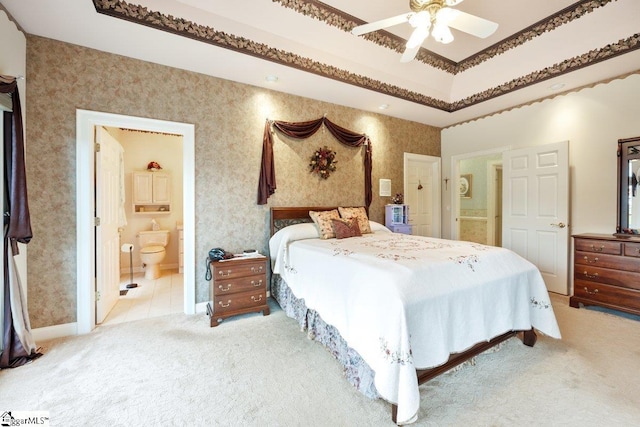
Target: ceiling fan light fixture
<point>442,33</point>
<point>420,19</point>
<point>417,37</point>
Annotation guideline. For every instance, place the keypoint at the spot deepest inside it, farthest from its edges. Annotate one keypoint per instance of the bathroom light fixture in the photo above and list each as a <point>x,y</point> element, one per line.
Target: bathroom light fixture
<point>271,78</point>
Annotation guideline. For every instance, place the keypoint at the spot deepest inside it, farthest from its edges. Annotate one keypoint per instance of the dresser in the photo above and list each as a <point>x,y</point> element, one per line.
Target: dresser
<point>238,286</point>
<point>606,272</point>
<point>396,218</point>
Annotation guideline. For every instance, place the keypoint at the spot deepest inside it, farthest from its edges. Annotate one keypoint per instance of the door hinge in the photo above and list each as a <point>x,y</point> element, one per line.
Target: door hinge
<point>97,147</point>
<point>97,296</point>
<point>96,221</point>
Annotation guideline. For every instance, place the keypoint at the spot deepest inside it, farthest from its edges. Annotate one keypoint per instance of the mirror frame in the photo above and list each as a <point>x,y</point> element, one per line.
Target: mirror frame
<point>622,226</point>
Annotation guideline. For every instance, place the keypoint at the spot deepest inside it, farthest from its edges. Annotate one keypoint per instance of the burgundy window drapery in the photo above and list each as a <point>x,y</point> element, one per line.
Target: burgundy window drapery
<point>303,130</point>
<point>18,344</point>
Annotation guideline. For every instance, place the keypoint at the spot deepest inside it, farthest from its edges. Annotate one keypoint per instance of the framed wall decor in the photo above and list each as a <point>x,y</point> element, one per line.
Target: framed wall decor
<point>466,181</point>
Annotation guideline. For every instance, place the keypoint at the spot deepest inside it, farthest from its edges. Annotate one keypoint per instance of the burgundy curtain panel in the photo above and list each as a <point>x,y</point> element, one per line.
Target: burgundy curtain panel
<point>303,130</point>
<point>18,345</point>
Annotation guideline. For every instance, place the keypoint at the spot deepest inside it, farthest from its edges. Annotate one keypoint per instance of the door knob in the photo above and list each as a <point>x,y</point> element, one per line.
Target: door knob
<point>559,225</point>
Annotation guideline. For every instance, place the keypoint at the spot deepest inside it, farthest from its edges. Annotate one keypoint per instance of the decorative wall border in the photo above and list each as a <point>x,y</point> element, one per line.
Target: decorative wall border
<point>143,16</point>
<point>337,18</point>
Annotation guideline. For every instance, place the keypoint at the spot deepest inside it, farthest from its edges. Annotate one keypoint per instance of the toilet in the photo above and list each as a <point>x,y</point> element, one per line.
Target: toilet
<point>152,251</point>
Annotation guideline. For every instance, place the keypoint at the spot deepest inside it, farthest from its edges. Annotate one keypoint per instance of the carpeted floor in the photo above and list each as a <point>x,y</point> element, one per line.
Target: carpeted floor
<point>262,371</point>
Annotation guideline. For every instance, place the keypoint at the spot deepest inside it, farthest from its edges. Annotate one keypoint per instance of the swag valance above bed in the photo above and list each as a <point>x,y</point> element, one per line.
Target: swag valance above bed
<point>303,130</point>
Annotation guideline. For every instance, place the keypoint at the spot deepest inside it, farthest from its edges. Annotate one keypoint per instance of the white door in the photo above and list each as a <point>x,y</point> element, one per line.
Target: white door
<point>422,193</point>
<point>536,209</point>
<point>108,187</point>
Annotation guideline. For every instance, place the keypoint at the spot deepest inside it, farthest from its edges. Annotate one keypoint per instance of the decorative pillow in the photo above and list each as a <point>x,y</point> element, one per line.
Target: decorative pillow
<point>358,213</point>
<point>345,228</point>
<point>323,222</point>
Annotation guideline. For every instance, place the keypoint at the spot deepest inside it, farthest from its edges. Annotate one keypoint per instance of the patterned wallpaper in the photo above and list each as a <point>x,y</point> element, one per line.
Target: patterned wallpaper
<point>229,121</point>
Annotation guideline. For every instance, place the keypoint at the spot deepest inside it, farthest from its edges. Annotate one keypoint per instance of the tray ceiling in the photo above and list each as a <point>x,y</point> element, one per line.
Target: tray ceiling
<point>308,46</point>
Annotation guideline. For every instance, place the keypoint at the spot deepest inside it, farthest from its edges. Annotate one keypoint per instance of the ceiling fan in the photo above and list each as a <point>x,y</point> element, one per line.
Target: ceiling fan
<point>435,16</point>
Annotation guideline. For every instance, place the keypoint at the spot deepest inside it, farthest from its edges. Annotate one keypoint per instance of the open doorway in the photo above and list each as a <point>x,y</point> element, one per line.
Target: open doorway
<point>87,121</point>
<point>136,290</point>
<point>477,201</point>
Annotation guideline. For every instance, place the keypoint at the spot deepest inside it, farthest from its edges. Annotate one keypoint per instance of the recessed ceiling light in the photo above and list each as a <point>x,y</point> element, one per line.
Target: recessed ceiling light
<point>271,78</point>
<point>383,106</point>
<point>556,86</point>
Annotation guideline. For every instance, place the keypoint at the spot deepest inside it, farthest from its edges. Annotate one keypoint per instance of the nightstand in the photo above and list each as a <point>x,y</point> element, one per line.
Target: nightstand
<point>238,286</point>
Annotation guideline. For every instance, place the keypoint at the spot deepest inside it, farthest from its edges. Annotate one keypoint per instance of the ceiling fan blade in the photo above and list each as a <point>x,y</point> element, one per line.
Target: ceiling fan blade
<point>410,53</point>
<point>378,25</point>
<point>466,22</point>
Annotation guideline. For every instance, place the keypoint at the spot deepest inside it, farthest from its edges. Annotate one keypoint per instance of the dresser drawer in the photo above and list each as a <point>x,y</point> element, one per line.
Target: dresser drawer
<point>605,294</point>
<point>625,279</point>
<point>234,302</point>
<point>240,268</point>
<point>598,246</point>
<point>632,250</point>
<point>615,262</point>
<point>240,284</point>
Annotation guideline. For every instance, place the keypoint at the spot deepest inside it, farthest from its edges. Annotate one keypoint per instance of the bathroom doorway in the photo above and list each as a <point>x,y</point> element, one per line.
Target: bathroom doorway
<point>86,269</point>
<point>139,290</point>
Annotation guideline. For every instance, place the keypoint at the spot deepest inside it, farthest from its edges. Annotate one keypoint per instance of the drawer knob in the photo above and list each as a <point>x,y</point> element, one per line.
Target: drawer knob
<point>590,276</point>
<point>593,248</point>
<point>256,284</point>
<point>590,292</point>
<point>258,269</point>
<point>223,305</point>
<point>586,258</point>
<point>223,274</point>
<point>253,298</point>
<point>223,289</point>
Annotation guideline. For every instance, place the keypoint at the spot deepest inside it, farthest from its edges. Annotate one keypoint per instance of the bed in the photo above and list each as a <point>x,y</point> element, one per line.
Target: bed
<point>402,309</point>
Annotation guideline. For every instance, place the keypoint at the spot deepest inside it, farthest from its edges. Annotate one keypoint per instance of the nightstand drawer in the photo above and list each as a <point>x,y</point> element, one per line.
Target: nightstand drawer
<point>240,268</point>
<point>234,302</point>
<point>241,284</point>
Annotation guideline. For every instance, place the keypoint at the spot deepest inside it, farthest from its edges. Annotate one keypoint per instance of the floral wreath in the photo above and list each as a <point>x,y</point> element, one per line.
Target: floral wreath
<point>323,162</point>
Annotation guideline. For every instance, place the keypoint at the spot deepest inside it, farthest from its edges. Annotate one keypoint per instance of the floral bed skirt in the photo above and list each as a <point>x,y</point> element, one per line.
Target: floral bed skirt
<point>355,369</point>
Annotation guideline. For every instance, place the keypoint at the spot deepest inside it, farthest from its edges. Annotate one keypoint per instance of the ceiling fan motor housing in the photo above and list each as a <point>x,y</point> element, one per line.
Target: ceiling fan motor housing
<point>431,6</point>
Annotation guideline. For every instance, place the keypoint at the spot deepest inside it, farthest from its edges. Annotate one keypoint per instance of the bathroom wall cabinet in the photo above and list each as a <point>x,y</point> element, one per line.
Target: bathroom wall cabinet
<point>151,192</point>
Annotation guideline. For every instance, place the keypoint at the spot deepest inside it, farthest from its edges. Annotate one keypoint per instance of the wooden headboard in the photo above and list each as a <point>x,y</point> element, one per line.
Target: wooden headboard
<point>283,216</point>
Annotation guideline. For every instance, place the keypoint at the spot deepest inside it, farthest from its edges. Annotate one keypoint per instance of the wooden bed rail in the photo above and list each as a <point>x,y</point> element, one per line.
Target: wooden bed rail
<point>528,338</point>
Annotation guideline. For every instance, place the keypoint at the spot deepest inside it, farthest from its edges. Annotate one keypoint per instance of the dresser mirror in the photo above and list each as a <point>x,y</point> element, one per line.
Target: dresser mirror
<point>628,186</point>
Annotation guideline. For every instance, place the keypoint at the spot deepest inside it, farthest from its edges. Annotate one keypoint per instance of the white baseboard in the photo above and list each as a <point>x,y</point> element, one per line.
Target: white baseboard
<point>68,329</point>
<point>139,269</point>
<point>57,331</point>
<point>201,307</point>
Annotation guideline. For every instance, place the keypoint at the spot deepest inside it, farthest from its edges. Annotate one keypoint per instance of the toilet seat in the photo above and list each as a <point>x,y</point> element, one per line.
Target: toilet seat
<point>152,249</point>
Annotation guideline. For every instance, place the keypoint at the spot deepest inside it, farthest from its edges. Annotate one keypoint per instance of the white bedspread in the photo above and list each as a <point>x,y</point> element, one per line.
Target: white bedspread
<point>406,302</point>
